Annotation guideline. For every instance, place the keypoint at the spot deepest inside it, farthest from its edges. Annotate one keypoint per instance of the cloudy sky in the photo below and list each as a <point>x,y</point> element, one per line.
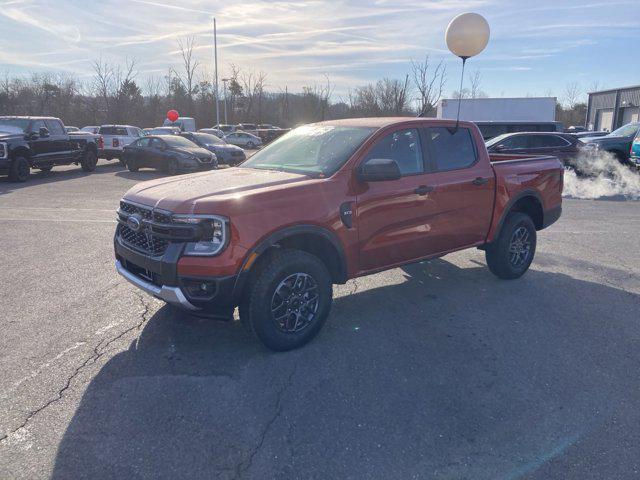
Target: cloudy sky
<point>536,48</point>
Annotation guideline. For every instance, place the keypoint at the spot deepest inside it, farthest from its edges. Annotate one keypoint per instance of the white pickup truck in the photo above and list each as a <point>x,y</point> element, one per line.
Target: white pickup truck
<point>116,137</point>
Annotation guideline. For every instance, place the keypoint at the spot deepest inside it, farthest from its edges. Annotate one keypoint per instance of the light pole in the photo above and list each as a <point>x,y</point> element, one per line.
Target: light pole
<point>215,57</point>
<point>224,88</point>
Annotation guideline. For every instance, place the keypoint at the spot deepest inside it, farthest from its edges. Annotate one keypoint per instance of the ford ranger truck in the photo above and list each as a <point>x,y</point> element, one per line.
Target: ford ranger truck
<point>325,203</point>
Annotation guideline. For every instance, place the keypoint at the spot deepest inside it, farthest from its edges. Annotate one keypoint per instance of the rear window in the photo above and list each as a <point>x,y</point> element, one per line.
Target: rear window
<point>113,131</point>
<point>452,150</point>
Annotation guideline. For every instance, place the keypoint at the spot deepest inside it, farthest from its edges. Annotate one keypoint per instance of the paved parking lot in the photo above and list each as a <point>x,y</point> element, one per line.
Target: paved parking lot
<point>436,370</point>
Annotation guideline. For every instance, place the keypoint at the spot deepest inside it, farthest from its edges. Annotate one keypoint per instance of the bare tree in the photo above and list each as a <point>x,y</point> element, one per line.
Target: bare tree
<point>572,94</point>
<point>190,65</point>
<point>429,82</point>
<point>476,80</point>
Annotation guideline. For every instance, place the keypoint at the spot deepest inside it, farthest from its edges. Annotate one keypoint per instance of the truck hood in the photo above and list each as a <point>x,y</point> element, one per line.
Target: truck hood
<point>603,140</point>
<point>182,194</point>
<point>10,136</point>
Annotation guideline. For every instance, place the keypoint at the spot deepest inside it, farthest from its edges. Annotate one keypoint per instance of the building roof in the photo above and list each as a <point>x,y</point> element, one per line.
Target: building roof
<point>635,87</point>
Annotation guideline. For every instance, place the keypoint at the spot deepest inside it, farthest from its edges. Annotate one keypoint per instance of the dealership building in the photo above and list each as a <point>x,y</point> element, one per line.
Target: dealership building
<point>611,109</point>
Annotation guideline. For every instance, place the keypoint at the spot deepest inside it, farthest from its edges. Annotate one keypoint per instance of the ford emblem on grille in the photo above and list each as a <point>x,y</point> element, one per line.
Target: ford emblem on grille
<point>134,223</point>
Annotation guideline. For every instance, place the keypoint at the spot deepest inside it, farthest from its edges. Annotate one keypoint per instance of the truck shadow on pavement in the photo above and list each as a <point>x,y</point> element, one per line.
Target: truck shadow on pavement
<point>449,373</point>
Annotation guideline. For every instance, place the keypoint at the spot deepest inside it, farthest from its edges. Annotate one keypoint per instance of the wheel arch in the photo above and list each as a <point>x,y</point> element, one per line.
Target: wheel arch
<point>312,239</point>
<point>22,151</point>
<point>529,202</point>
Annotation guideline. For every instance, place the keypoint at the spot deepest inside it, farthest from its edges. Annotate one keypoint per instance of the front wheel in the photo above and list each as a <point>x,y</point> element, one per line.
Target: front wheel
<point>20,170</point>
<point>510,255</point>
<point>288,301</point>
<point>131,165</point>
<point>251,145</point>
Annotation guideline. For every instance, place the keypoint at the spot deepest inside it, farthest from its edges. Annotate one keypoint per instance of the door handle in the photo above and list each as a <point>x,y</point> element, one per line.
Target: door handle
<point>423,190</point>
<point>480,181</point>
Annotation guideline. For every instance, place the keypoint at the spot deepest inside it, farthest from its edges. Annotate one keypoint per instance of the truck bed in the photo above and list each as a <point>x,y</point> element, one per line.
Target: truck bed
<point>516,175</point>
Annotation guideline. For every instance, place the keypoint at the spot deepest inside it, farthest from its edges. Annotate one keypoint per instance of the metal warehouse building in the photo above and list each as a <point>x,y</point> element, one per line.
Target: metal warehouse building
<point>610,109</point>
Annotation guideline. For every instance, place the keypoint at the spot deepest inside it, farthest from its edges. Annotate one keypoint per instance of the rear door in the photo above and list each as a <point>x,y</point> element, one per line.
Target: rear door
<point>552,145</point>
<point>463,181</point>
<point>394,217</point>
<point>59,141</point>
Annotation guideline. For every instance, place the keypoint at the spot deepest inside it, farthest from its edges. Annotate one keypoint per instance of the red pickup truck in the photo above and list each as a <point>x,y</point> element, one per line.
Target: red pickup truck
<point>325,203</point>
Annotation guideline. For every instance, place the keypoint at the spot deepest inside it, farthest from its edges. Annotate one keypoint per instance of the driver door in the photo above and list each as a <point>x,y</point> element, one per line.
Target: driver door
<point>393,217</point>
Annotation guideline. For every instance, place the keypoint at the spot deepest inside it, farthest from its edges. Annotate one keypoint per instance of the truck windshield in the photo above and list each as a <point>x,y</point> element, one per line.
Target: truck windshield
<point>312,149</point>
<point>14,125</point>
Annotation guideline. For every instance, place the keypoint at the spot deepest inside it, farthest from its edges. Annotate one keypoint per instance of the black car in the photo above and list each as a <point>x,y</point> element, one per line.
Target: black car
<point>170,153</point>
<point>226,153</point>
<point>565,146</point>
<point>42,143</point>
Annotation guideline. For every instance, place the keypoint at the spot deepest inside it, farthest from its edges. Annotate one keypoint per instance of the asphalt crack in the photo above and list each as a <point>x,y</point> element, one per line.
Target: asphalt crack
<point>98,351</point>
<point>244,466</point>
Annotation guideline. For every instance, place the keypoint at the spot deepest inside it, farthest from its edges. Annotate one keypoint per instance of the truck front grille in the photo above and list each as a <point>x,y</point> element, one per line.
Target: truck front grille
<point>143,240</point>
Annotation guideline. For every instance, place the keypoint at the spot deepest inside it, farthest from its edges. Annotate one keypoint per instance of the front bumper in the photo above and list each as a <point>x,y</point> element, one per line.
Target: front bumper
<point>158,276</point>
<point>172,295</point>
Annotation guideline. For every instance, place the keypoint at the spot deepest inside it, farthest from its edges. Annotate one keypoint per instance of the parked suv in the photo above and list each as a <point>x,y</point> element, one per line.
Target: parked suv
<point>116,137</point>
<point>565,146</point>
<point>325,203</point>
<point>42,143</point>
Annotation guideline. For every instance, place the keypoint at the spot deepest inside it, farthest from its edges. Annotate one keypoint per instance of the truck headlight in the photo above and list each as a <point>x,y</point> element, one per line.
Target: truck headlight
<point>215,234</point>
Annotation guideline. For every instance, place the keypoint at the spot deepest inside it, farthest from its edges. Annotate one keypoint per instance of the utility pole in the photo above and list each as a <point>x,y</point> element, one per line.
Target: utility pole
<point>224,91</point>
<point>215,57</point>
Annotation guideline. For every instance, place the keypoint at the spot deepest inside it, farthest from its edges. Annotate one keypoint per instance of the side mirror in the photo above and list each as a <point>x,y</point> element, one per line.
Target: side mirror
<point>43,132</point>
<point>32,136</point>
<point>379,170</point>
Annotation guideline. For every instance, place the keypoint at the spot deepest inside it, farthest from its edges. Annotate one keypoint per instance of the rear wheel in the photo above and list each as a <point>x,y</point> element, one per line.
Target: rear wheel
<point>132,166</point>
<point>511,254</point>
<point>288,300</point>
<point>20,170</point>
<point>89,161</point>
<point>171,168</point>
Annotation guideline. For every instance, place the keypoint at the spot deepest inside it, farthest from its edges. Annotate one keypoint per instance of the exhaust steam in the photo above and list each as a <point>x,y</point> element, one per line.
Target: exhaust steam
<point>601,175</point>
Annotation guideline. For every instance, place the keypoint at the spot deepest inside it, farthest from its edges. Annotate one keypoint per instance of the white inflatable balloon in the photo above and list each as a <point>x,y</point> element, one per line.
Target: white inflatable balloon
<point>467,35</point>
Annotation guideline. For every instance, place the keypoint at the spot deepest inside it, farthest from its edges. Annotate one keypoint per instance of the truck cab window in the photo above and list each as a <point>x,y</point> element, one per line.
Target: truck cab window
<point>55,127</point>
<point>402,146</point>
<point>452,151</point>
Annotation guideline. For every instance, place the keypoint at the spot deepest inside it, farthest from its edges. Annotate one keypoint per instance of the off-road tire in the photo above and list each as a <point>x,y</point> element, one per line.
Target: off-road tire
<point>89,161</point>
<point>499,254</point>
<point>256,307</point>
<point>20,170</point>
